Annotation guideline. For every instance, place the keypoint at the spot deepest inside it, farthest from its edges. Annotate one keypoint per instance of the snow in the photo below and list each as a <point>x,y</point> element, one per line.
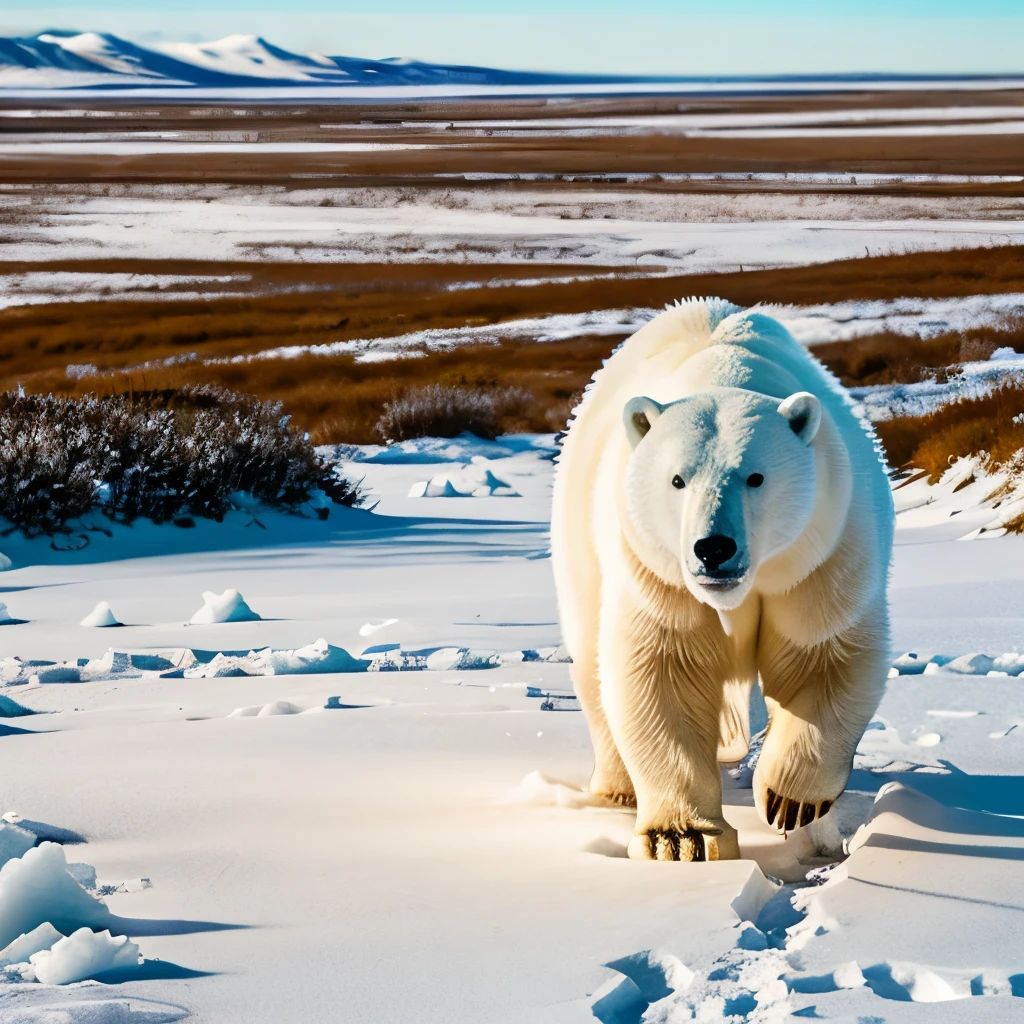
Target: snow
<point>39,287</point>
<point>689,121</point>
<point>557,327</point>
<point>538,790</point>
<point>93,47</point>
<point>437,818</point>
<point>241,55</point>
<point>46,83</point>
<point>475,480</point>
<point>913,317</point>
<point>101,616</point>
<point>84,954</point>
<point>227,607</point>
<point>641,230</point>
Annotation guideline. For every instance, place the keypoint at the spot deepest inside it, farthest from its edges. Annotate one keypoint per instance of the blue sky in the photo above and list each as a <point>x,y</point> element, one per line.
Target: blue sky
<point>645,36</point>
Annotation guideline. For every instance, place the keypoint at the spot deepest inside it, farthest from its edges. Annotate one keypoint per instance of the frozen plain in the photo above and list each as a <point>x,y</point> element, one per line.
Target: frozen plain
<point>385,862</point>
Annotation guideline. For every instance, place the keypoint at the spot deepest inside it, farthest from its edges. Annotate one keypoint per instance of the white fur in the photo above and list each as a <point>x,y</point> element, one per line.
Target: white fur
<point>666,638</point>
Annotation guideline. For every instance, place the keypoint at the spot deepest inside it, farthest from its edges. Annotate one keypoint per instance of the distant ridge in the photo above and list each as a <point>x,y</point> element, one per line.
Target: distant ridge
<point>58,59</point>
<point>67,60</point>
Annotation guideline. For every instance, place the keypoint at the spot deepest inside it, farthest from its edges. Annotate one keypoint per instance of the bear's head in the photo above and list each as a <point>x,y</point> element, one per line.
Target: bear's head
<point>717,484</point>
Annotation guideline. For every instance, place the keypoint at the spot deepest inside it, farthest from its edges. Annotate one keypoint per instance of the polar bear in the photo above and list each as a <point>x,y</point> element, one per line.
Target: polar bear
<point>720,513</point>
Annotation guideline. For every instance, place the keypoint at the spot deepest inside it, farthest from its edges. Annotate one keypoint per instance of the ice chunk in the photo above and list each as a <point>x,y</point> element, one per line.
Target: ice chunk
<point>319,656</point>
<point>448,659</point>
<point>6,619</point>
<point>910,663</point>
<point>971,664</point>
<point>756,892</point>
<point>83,874</point>
<point>223,666</point>
<point>227,607</point>
<point>369,628</point>
<point>444,659</point>
<point>12,709</point>
<point>1011,663</point>
<point>37,888</point>
<point>5,562</point>
<point>915,663</point>
<point>15,842</point>
<point>35,941</point>
<point>1004,352</point>
<point>101,616</point>
<point>84,954</point>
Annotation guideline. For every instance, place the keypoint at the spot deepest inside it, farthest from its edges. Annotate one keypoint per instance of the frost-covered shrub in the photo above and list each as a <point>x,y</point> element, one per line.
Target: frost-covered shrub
<point>439,410</point>
<point>156,455</point>
<point>46,472</point>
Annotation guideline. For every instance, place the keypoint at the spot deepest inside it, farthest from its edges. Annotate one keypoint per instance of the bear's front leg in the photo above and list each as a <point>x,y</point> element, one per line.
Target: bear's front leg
<point>820,700</point>
<point>610,780</point>
<point>662,693</point>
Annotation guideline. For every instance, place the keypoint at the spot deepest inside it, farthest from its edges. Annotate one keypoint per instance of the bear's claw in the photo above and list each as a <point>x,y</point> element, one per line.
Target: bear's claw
<point>786,814</point>
<point>619,799</point>
<point>688,844</point>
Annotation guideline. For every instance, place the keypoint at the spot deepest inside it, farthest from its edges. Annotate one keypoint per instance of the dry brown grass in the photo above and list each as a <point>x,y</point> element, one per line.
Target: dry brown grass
<point>889,358</point>
<point>967,427</point>
<point>338,399</point>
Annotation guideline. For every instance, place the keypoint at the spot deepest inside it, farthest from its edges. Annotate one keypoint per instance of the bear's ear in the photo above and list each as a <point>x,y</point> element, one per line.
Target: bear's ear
<point>639,416</point>
<point>803,411</point>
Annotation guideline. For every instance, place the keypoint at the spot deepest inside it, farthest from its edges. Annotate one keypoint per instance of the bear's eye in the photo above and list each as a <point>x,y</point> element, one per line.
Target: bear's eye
<point>678,482</point>
<point>755,480</point>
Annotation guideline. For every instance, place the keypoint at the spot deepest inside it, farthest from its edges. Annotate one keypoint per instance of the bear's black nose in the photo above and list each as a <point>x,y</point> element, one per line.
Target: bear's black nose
<point>715,550</point>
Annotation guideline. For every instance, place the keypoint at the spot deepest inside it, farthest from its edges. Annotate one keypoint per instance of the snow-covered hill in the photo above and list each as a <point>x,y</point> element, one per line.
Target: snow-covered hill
<point>100,60</point>
<point>68,60</point>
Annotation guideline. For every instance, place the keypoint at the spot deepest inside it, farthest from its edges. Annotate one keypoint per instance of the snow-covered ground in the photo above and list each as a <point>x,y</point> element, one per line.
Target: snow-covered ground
<point>377,845</point>
<point>692,233</point>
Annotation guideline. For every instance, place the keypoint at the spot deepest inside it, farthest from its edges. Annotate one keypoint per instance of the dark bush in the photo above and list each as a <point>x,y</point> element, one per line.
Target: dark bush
<point>440,410</point>
<point>160,455</point>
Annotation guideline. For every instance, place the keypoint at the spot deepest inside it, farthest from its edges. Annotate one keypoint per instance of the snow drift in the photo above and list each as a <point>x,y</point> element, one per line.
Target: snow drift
<point>227,607</point>
<point>101,617</point>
